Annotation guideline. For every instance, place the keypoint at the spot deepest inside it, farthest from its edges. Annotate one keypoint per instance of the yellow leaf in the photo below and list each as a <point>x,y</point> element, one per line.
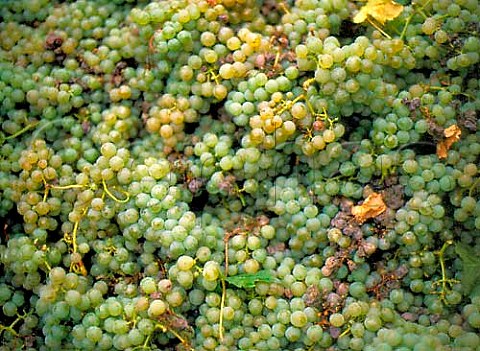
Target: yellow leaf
<point>452,135</point>
<point>380,10</point>
<point>361,16</point>
<point>370,208</point>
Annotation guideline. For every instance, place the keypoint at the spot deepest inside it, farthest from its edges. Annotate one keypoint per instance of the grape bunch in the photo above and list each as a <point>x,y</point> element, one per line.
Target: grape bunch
<point>218,175</point>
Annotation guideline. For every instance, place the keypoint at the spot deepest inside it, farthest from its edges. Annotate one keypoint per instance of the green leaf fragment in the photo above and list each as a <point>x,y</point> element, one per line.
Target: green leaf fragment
<point>471,266</point>
<point>248,280</point>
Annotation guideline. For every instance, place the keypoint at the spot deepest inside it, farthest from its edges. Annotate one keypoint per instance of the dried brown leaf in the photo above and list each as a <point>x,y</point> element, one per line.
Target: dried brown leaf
<point>370,208</point>
<point>452,135</point>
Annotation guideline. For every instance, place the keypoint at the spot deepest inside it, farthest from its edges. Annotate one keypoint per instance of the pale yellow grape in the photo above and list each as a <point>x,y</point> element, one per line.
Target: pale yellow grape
<point>328,135</point>
<point>220,91</point>
<point>318,142</point>
<point>289,127</point>
<point>255,122</point>
<point>156,308</point>
<point>185,263</point>
<point>234,43</point>
<point>166,131</point>
<point>227,71</point>
<point>299,110</point>
<point>257,135</point>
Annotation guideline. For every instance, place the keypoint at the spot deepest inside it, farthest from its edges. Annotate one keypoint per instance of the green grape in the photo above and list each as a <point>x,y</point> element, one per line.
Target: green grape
<point>114,307</point>
<point>135,337</point>
<point>353,63</point>
<point>410,166</point>
<point>372,323</point>
<point>60,310</point>
<point>474,319</point>
<point>94,334</point>
<point>211,271</point>
<point>357,289</point>
<point>9,309</point>
<point>314,333</point>
<point>148,285</point>
<point>336,319</point>
<point>468,340</point>
<point>298,319</point>
<point>157,308</point>
<point>299,110</point>
<point>293,334</point>
<point>447,183</point>
<point>73,297</point>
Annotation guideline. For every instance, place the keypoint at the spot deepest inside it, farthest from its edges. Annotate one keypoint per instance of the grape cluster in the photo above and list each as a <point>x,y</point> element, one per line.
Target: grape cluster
<point>199,175</point>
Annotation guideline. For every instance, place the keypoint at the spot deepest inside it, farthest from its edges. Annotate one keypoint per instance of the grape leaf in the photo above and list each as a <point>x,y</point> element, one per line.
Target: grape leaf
<point>471,266</point>
<point>452,135</point>
<point>370,208</point>
<point>380,10</point>
<point>248,280</point>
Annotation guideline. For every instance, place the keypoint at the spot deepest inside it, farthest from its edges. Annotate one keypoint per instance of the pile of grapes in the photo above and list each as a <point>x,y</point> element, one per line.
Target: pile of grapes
<point>239,175</point>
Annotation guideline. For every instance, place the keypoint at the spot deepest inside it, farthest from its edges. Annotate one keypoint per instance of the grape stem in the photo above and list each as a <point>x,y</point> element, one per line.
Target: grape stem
<point>57,187</point>
<point>224,288</point>
<point>45,262</point>
<point>77,267</point>
<point>473,187</point>
<point>409,18</point>
<point>377,27</point>
<point>445,88</point>
<point>212,75</point>
<point>444,281</point>
<point>177,335</point>
<point>80,186</point>
<point>238,191</point>
<point>407,22</point>
<point>113,197</point>
<point>44,126</point>
<point>10,327</point>
<point>226,239</point>
<point>322,116</point>
<point>164,329</point>
<point>287,104</point>
<point>284,8</point>
<point>21,131</point>
<point>222,306</point>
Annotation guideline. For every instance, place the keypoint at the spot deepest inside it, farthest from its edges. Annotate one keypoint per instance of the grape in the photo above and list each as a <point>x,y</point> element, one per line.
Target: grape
<point>114,307</point>
<point>135,337</point>
<point>372,323</point>
<point>293,334</point>
<point>447,183</point>
<point>185,263</point>
<point>94,334</point>
<point>474,319</point>
<point>9,309</point>
<point>57,275</point>
<point>148,285</point>
<point>151,152</point>
<point>298,319</point>
<point>73,297</point>
<point>299,110</point>
<point>357,289</point>
<point>157,308</point>
<point>336,319</point>
<point>429,26</point>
